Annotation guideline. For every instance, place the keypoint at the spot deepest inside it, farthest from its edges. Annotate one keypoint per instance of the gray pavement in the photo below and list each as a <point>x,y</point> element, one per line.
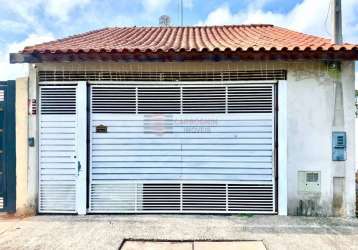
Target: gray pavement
<point>108,231</point>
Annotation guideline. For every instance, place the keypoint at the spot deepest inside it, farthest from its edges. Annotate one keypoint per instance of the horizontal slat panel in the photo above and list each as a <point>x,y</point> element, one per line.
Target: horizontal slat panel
<point>181,100</point>
<point>180,164</point>
<point>60,136</point>
<point>114,100</point>
<point>57,119</point>
<point>58,100</point>
<point>182,197</point>
<point>185,129</point>
<point>206,153</point>
<point>68,159</point>
<point>176,158</point>
<point>172,176</point>
<point>58,130</point>
<point>256,141</point>
<point>57,198</point>
<point>203,171</point>
<point>176,137</point>
<point>175,122</point>
<point>62,153</point>
<point>178,146</point>
<point>261,199</point>
<point>153,135</point>
<point>190,119</point>
<point>212,100</point>
<point>58,148</point>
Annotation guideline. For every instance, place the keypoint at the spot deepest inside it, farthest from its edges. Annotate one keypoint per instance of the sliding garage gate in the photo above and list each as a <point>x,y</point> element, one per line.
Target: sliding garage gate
<point>157,148</point>
<point>182,149</point>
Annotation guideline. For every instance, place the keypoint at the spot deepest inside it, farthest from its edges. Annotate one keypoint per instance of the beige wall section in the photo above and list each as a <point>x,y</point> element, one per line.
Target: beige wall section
<point>21,146</point>
<point>32,168</point>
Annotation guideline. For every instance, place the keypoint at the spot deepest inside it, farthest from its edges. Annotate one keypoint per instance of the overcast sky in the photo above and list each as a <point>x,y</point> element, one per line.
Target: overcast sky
<point>24,22</point>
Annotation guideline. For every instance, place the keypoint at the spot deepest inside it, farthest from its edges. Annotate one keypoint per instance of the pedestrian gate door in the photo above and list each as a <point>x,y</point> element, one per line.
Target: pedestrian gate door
<point>181,148</point>
<point>62,149</point>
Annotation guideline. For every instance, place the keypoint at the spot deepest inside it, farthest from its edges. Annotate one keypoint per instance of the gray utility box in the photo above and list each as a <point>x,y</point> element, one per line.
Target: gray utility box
<point>339,145</point>
<point>309,182</point>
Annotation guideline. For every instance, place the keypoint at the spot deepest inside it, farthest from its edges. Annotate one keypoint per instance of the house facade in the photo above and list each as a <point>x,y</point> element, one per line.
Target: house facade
<point>222,119</point>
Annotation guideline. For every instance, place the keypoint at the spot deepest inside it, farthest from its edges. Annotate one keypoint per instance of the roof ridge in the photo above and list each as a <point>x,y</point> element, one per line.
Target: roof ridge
<point>195,26</point>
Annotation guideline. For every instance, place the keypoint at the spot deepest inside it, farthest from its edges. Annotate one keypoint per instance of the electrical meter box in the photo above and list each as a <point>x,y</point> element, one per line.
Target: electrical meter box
<point>309,182</point>
<point>339,146</point>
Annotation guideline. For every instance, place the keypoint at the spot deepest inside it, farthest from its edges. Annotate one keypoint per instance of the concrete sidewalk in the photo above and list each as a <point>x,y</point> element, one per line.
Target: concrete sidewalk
<point>108,232</point>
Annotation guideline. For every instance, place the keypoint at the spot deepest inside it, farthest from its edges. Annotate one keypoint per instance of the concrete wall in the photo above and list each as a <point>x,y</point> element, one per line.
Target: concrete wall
<point>32,172</point>
<point>21,146</point>
<point>310,112</point>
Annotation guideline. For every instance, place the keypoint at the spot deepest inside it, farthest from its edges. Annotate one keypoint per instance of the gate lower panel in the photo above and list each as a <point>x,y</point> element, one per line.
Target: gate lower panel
<point>182,198</point>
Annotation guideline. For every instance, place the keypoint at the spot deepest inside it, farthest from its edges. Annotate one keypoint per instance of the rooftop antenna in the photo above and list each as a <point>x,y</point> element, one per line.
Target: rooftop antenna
<point>164,21</point>
<point>181,12</point>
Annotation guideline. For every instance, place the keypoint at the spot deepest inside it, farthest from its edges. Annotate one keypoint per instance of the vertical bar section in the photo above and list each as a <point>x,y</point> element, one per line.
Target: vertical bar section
<point>81,147</point>
<point>3,169</point>
<point>273,149</point>
<point>282,148</point>
<point>9,149</point>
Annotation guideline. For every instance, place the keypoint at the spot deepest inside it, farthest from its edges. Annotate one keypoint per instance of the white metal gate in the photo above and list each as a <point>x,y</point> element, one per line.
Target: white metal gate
<point>182,148</point>
<point>62,149</point>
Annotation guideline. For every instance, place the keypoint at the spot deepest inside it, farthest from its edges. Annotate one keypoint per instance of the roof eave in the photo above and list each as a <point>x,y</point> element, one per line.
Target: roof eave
<point>24,58</point>
<point>183,56</point>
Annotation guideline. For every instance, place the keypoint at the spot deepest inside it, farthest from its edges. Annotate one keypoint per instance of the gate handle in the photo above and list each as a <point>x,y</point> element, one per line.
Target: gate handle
<point>78,167</point>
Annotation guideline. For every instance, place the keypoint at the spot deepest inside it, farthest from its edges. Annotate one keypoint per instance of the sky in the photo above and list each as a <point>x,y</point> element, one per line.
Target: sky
<point>24,22</point>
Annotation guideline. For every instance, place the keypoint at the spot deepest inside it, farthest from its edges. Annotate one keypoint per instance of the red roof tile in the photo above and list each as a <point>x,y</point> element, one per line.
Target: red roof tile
<point>176,39</point>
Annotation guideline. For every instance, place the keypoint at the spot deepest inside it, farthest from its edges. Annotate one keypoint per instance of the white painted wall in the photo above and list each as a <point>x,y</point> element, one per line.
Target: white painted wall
<point>348,78</point>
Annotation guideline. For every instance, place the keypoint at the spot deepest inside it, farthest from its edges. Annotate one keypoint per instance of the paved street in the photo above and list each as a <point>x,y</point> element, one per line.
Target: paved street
<point>108,232</point>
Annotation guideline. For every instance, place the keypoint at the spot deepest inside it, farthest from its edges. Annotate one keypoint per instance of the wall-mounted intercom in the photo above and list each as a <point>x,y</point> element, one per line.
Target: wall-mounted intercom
<point>339,146</point>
